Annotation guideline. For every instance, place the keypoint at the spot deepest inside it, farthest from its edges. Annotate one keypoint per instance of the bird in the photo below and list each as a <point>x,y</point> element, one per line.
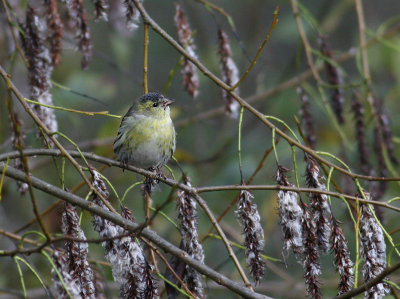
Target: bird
<point>146,136</point>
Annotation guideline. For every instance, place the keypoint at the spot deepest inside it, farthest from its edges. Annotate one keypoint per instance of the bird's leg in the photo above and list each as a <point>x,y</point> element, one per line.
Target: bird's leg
<point>149,183</point>
<point>124,164</point>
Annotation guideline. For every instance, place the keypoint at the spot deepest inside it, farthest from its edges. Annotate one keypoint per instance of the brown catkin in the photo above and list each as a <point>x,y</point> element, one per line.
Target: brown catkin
<point>307,120</point>
<point>129,266</point>
<point>290,214</point>
<point>230,74</point>
<point>39,70</point>
<point>78,264</point>
<point>342,261</point>
<point>100,9</point>
<point>319,204</point>
<point>372,250</point>
<point>189,72</point>
<point>187,215</point>
<point>249,218</point>
<point>312,268</point>
<point>386,131</point>
<point>334,78</point>
<point>358,111</point>
<point>55,30</point>
<point>77,15</point>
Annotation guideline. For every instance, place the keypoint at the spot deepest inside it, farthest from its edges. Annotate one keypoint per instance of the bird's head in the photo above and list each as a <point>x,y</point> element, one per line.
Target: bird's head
<point>153,104</point>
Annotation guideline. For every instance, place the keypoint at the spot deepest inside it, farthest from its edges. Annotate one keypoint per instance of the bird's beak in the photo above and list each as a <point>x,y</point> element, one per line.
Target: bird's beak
<point>167,102</point>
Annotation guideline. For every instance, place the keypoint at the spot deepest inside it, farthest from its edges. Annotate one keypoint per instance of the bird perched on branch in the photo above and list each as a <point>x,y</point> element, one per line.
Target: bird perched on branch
<point>146,137</point>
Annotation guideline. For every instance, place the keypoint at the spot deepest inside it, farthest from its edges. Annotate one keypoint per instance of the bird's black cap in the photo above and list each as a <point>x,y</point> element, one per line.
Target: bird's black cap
<point>151,96</point>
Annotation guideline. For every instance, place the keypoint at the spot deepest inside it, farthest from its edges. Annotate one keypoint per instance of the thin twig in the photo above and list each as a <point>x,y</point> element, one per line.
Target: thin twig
<point>10,25</point>
<point>303,36</point>
<point>193,190</point>
<point>370,283</point>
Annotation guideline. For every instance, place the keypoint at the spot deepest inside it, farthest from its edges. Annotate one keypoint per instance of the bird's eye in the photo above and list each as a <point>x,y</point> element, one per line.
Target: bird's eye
<point>155,104</point>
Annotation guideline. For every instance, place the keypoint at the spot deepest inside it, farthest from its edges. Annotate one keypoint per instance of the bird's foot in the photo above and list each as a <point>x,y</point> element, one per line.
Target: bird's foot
<point>160,174</point>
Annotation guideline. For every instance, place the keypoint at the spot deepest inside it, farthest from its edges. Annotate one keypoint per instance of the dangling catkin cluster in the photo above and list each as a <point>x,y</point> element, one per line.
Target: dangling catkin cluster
<point>186,206</point>
<point>100,9</point>
<point>55,30</point>
<point>39,69</point>
<point>319,204</point>
<point>384,126</point>
<point>372,250</point>
<point>132,15</point>
<point>311,263</point>
<point>76,252</point>
<point>230,74</point>
<point>249,218</point>
<point>129,266</point>
<point>189,71</point>
<point>335,79</point>
<point>358,111</point>
<point>342,261</point>
<point>77,15</point>
<point>290,214</point>
<point>61,262</point>
<point>307,120</point>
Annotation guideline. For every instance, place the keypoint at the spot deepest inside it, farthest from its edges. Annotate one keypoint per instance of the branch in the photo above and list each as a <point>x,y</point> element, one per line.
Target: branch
<point>132,226</point>
<point>196,190</point>
<point>370,283</point>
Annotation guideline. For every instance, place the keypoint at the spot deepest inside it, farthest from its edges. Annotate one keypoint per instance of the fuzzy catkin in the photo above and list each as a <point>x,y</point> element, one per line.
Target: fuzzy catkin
<point>311,263</point>
<point>187,213</point>
<point>334,79</point>
<point>189,72</point>
<point>61,262</point>
<point>100,9</point>
<point>230,74</point>
<point>319,204</point>
<point>55,30</point>
<point>129,266</point>
<point>132,15</point>
<point>249,218</point>
<point>290,214</point>
<point>358,111</point>
<point>372,250</point>
<point>77,14</point>
<point>39,70</point>
<point>342,261</point>
<point>307,119</point>
<point>78,264</point>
